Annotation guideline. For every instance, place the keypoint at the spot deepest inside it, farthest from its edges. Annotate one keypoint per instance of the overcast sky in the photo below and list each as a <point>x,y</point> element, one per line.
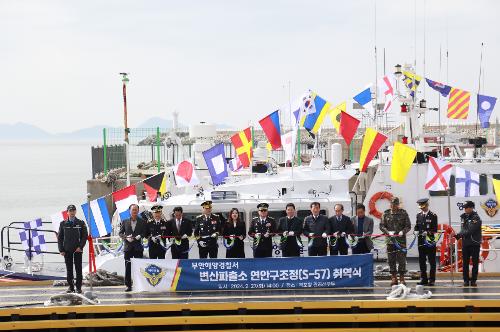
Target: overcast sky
<point>224,61</point>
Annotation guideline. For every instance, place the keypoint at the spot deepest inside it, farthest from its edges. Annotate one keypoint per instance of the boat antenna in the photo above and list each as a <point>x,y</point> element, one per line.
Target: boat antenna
<point>439,108</point>
<point>479,85</point>
<point>376,71</point>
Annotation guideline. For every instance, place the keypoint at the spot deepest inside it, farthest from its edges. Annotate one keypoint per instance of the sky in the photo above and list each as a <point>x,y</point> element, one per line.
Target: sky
<point>227,61</point>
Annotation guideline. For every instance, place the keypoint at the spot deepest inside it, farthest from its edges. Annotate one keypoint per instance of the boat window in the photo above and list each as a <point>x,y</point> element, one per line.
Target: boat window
<point>483,184</point>
<point>444,192</point>
<point>192,216</point>
<point>276,214</point>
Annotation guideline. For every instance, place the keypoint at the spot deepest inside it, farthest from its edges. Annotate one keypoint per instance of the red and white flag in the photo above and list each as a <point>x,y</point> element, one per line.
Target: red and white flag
<point>438,175</point>
<point>56,219</point>
<point>185,174</point>
<point>289,140</point>
<point>386,88</point>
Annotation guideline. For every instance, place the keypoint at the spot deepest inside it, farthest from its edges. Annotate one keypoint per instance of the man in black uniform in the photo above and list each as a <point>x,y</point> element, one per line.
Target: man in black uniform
<point>291,228</point>
<point>132,232</point>
<point>340,226</point>
<point>207,228</point>
<point>71,240</point>
<point>426,226</point>
<point>180,228</point>
<point>260,230</point>
<point>156,230</point>
<point>471,236</point>
<point>316,228</point>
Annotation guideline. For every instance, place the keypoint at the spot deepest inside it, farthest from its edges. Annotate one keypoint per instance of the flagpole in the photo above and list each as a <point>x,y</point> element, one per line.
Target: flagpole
<point>479,85</point>
<point>439,108</point>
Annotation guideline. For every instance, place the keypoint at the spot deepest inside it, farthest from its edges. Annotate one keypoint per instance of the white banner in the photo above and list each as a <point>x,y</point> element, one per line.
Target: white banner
<point>153,275</point>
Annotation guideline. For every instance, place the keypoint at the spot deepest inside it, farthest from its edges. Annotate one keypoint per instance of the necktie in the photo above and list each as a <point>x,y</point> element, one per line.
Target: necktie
<point>133,225</point>
<point>178,225</point>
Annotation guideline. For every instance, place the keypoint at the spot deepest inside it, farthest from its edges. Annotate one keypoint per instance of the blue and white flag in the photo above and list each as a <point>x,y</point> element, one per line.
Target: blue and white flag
<point>443,89</point>
<point>485,105</point>
<point>32,240</point>
<point>467,183</point>
<point>99,220</point>
<point>215,159</point>
<point>364,98</point>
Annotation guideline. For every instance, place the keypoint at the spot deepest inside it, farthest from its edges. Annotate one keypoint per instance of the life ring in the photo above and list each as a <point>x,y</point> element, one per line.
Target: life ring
<point>372,205</point>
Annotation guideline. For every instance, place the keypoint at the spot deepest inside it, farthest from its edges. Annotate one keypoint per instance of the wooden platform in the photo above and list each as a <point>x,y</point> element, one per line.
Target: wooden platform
<point>452,308</point>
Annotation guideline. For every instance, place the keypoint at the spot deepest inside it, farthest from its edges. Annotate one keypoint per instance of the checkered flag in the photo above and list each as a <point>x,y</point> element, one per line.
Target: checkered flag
<point>37,240</point>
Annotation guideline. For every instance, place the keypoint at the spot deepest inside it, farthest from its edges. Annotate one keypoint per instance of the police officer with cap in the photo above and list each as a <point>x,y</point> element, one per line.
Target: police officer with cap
<point>471,236</point>
<point>71,239</point>
<point>207,229</point>
<point>427,226</point>
<point>260,230</point>
<point>156,230</point>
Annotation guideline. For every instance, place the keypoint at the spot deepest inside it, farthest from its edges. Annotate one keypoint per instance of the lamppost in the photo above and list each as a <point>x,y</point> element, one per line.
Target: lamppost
<point>125,80</point>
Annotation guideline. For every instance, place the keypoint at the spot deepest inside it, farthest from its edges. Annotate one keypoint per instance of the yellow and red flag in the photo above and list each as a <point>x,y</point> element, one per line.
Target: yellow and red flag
<point>458,104</point>
<point>242,142</point>
<point>372,142</point>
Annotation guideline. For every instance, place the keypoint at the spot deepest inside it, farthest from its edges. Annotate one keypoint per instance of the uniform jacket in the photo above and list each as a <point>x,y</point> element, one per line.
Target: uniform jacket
<point>126,230</point>
<point>154,228</point>
<point>204,228</point>
<point>367,229</point>
<point>317,227</point>
<point>262,227</point>
<point>72,235</point>
<point>426,223</point>
<point>396,222</point>
<point>470,233</point>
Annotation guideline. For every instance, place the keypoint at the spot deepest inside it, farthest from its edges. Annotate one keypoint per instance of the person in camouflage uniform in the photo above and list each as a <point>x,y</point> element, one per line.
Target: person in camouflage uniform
<point>396,222</point>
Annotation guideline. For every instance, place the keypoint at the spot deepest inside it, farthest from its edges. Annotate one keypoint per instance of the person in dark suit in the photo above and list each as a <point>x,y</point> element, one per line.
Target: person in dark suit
<point>316,228</point>
<point>71,239</point>
<point>207,228</point>
<point>132,231</point>
<point>182,229</point>
<point>156,230</point>
<point>235,229</point>
<point>363,227</point>
<point>427,226</point>
<point>291,229</point>
<point>341,226</point>
<point>260,230</point>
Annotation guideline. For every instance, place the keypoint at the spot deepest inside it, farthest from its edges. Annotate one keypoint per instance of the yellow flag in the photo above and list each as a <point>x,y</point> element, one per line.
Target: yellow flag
<point>496,186</point>
<point>335,113</point>
<point>402,159</point>
<point>163,186</point>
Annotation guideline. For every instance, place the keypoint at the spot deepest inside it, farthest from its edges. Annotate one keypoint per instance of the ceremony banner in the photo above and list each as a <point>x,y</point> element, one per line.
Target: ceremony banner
<point>263,273</point>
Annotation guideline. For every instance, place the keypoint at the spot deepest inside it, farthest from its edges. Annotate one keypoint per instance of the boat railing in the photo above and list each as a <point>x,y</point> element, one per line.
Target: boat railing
<point>10,242</point>
<point>277,199</point>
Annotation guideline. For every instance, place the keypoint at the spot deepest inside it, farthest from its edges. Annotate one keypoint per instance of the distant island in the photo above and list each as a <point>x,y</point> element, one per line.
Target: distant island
<point>23,131</point>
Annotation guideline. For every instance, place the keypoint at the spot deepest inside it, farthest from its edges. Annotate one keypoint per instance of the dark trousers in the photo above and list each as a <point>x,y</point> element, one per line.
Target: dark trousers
<point>427,254</point>
<point>208,252</point>
<point>360,248</point>
<point>128,265</point>
<point>263,253</point>
<point>69,259</point>
<point>156,251</point>
<point>237,250</point>
<point>340,249</point>
<point>179,252</point>
<point>317,251</point>
<point>468,253</point>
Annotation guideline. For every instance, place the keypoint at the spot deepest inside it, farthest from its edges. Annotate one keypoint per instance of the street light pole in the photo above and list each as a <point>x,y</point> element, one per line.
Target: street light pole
<point>125,80</point>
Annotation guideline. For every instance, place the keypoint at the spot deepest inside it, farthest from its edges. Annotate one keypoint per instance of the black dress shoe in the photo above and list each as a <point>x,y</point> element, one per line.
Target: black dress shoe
<point>79,290</point>
<point>473,284</point>
<point>128,289</point>
<point>423,282</point>
<point>70,290</point>
<point>466,284</point>
<point>431,283</point>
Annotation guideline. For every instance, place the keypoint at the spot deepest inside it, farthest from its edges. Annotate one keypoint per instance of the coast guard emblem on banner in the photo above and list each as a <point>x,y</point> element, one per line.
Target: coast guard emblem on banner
<point>153,274</point>
<point>490,207</point>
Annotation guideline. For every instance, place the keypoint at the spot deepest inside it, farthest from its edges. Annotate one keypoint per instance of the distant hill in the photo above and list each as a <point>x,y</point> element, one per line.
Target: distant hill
<point>24,131</point>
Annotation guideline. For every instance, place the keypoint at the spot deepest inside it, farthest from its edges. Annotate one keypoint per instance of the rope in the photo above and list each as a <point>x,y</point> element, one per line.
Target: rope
<point>398,246</point>
<point>402,292</point>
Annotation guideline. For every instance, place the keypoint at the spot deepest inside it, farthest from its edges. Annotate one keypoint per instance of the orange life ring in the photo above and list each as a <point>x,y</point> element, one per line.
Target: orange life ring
<point>373,201</point>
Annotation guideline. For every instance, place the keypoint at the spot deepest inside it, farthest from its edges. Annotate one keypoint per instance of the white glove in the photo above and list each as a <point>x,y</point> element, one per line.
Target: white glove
<point>391,233</point>
<point>232,236</point>
<point>266,234</point>
<point>323,235</point>
<point>311,234</point>
<point>257,235</point>
<point>138,237</point>
<point>214,235</point>
<point>291,233</point>
<point>400,233</point>
<point>336,234</point>
<point>424,233</point>
<point>343,233</point>
<point>285,233</point>
<point>155,239</point>
<point>184,236</point>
